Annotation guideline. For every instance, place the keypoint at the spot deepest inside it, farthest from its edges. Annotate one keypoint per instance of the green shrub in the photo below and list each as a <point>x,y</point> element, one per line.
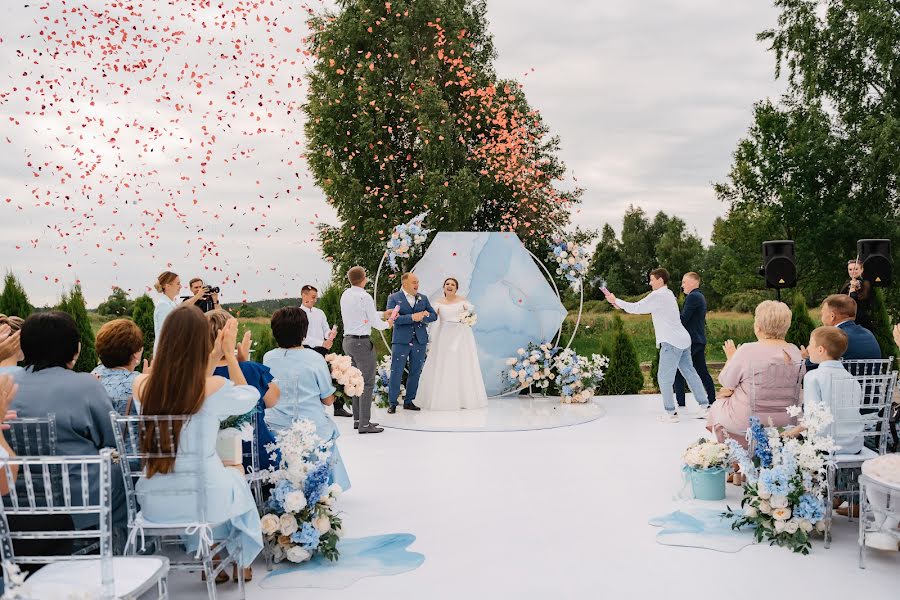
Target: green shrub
<point>623,376</point>
<point>330,304</point>
<point>142,315</point>
<point>73,304</point>
<point>801,323</point>
<point>744,301</point>
<point>881,327</point>
<point>14,301</point>
<point>263,341</point>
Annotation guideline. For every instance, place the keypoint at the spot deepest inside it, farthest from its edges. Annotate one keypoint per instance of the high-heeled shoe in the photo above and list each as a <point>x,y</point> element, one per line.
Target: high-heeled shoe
<point>222,577</point>
<point>248,573</point>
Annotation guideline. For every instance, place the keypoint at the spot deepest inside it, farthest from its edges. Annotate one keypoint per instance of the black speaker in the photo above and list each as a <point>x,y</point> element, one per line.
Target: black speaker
<point>875,256</point>
<point>779,268</point>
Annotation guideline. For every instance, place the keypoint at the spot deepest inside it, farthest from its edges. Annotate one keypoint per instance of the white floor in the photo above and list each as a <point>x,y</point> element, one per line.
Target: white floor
<point>558,513</point>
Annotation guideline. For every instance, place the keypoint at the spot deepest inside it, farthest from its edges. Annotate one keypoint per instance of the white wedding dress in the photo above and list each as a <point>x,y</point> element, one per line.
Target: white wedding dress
<point>451,378</point>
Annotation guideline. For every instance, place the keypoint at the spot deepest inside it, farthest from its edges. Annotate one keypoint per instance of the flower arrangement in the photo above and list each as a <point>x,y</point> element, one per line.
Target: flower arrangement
<point>405,238</point>
<point>299,519</point>
<point>705,454</point>
<point>381,393</point>
<point>571,260</point>
<point>531,366</point>
<point>786,480</point>
<point>468,316</point>
<point>578,375</point>
<point>347,379</point>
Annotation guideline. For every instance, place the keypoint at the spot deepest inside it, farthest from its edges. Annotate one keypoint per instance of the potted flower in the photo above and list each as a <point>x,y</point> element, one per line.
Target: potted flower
<point>706,465</point>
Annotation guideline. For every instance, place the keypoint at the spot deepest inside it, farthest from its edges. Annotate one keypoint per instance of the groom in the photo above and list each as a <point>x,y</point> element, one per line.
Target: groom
<point>409,340</point>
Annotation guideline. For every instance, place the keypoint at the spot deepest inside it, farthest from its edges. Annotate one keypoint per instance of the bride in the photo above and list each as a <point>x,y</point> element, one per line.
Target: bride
<point>451,378</point>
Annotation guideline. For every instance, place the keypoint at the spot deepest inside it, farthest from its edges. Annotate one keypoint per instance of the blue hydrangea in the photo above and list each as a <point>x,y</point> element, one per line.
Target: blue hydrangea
<point>282,489</point>
<point>307,537</point>
<point>761,439</point>
<point>316,482</point>
<point>777,480</point>
<point>810,508</point>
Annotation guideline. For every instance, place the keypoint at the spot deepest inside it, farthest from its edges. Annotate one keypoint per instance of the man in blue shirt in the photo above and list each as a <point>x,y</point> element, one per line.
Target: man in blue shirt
<point>693,317</point>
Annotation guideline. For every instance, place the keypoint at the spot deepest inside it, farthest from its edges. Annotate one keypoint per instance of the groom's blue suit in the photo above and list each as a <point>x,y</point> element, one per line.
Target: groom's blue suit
<point>408,344</point>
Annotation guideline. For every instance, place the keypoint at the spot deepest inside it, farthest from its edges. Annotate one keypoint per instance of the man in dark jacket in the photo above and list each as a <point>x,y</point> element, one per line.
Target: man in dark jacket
<point>693,317</point>
<point>839,310</point>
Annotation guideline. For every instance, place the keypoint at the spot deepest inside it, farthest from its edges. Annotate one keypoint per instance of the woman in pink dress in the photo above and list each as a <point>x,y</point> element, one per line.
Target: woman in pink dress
<point>770,370</point>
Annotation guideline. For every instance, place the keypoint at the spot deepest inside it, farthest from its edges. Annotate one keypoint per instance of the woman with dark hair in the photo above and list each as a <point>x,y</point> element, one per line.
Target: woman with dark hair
<point>120,345</point>
<point>180,384</point>
<point>305,382</point>
<point>451,378</point>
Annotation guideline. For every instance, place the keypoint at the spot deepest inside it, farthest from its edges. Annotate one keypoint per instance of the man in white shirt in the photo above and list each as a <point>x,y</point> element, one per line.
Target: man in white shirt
<point>319,336</point>
<point>360,316</point>
<point>673,340</point>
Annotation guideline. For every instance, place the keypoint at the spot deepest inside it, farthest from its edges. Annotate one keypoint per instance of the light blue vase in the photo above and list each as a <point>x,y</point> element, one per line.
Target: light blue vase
<point>708,484</point>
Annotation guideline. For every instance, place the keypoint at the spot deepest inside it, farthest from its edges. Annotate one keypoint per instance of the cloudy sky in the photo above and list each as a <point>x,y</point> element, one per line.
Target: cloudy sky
<point>649,99</point>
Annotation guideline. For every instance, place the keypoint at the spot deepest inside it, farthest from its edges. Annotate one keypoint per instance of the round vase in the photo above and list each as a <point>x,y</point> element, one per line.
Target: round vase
<point>708,484</point>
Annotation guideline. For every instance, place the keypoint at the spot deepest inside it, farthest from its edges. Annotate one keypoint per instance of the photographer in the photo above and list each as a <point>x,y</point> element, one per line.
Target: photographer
<point>860,290</point>
<point>205,298</point>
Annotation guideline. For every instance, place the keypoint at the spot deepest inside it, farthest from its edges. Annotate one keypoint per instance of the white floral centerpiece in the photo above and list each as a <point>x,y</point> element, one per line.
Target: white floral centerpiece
<point>784,495</point>
<point>347,379</point>
<point>578,375</point>
<point>300,519</point>
<point>571,259</point>
<point>405,239</point>
<point>381,393</point>
<point>705,454</point>
<point>531,366</point>
<point>468,316</point>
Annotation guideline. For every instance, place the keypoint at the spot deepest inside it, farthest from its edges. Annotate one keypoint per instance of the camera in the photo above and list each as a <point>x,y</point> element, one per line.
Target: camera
<point>209,291</point>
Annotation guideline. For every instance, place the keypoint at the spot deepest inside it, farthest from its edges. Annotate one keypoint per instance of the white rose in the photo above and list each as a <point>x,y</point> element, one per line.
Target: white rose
<point>563,254</point>
<point>513,374</point>
<point>764,507</point>
<point>781,514</point>
<point>297,554</point>
<point>780,526</point>
<point>805,525</point>
<point>322,524</point>
<point>510,361</point>
<point>778,501</point>
<point>763,491</point>
<point>520,351</point>
<point>294,501</point>
<point>269,524</point>
<point>791,526</point>
<point>326,500</point>
<point>820,526</point>
<point>335,491</point>
<point>750,512</point>
<point>571,260</point>
<point>287,524</point>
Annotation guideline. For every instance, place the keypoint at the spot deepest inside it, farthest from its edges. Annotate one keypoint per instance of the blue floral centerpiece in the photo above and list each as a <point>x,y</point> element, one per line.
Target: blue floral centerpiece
<point>578,376</point>
<point>405,239</point>
<point>531,366</point>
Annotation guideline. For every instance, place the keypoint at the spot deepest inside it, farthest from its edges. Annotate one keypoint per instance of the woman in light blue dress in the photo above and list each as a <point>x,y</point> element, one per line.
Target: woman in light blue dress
<point>178,385</point>
<point>305,382</point>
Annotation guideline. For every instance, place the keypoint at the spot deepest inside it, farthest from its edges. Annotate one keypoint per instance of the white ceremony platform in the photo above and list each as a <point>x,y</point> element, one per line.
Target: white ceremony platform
<point>556,513</point>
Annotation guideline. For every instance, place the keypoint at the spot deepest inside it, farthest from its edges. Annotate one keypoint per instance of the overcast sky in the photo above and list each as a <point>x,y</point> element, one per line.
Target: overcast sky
<point>649,99</point>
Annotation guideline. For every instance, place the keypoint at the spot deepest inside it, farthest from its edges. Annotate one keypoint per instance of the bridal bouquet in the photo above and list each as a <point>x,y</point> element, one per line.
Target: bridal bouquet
<point>467,315</point>
<point>300,519</point>
<point>786,480</point>
<point>347,379</point>
<point>578,375</point>
<point>571,260</point>
<point>405,238</point>
<point>381,393</point>
<point>531,366</point>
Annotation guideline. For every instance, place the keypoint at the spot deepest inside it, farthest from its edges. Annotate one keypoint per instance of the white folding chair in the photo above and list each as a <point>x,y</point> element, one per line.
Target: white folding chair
<point>860,407</point>
<point>879,515</point>
<point>188,484</point>
<point>106,577</point>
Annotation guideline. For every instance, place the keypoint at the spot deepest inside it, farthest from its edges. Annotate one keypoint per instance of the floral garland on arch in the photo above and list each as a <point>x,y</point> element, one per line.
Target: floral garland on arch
<point>784,496</point>
<point>299,519</point>
<point>348,380</point>
<point>571,259</point>
<point>578,376</point>
<point>406,239</point>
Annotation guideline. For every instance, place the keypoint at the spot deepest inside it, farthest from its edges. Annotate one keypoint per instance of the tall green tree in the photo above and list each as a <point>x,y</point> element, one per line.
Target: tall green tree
<point>73,303</point>
<point>330,304</point>
<point>881,327</point>
<point>802,324</point>
<point>14,300</point>
<point>623,375</point>
<point>606,266</point>
<point>142,315</point>
<point>679,251</point>
<point>405,115</point>
<point>117,304</point>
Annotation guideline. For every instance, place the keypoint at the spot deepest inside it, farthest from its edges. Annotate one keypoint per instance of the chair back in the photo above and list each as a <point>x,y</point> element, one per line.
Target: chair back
<point>35,436</point>
<point>186,482</point>
<point>774,387</point>
<point>869,366</point>
<point>251,455</point>
<point>861,408</point>
<point>40,473</point>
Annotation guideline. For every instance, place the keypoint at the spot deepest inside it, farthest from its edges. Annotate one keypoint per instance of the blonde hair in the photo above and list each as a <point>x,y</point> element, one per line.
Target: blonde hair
<point>693,276</point>
<point>164,279</point>
<point>772,319</point>
<point>15,323</point>
<point>217,320</point>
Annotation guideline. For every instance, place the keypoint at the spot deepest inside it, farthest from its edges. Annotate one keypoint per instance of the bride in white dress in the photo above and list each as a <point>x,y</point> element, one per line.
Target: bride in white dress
<point>451,378</point>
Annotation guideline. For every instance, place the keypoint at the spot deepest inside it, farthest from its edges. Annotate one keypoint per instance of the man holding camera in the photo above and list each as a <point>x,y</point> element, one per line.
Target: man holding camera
<point>205,298</point>
<point>860,290</point>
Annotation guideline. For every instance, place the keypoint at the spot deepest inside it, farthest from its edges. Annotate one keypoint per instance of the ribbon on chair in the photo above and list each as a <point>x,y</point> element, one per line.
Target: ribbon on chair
<point>204,532</point>
<point>136,529</point>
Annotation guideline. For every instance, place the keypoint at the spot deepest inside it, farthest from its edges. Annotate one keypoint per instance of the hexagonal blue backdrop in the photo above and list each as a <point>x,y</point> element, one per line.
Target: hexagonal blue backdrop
<point>514,301</point>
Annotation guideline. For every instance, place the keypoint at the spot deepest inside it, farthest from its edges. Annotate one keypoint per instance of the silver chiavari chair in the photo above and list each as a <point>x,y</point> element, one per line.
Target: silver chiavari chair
<point>187,484</point>
<point>106,577</point>
<point>860,408</point>
<point>34,436</point>
<point>879,516</point>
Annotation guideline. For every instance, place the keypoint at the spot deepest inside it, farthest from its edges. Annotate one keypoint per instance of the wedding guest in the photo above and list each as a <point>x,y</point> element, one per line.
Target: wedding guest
<point>826,346</point>
<point>839,310</point>
<point>50,343</point>
<point>120,344</point>
<point>693,317</point>
<point>208,300</point>
<point>360,316</point>
<point>179,384</point>
<point>672,339</point>
<point>11,356</point>
<point>258,376</point>
<point>320,336</point>
<point>306,384</point>
<point>860,290</point>
<point>749,373</point>
<point>167,285</point>
<point>8,389</point>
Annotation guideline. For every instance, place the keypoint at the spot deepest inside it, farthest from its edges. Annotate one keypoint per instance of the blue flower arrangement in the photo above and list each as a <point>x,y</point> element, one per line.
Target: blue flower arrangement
<point>572,260</point>
<point>405,239</point>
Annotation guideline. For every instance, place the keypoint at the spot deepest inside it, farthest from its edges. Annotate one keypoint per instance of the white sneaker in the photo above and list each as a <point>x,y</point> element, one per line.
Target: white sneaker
<point>703,413</point>
<point>669,418</point>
